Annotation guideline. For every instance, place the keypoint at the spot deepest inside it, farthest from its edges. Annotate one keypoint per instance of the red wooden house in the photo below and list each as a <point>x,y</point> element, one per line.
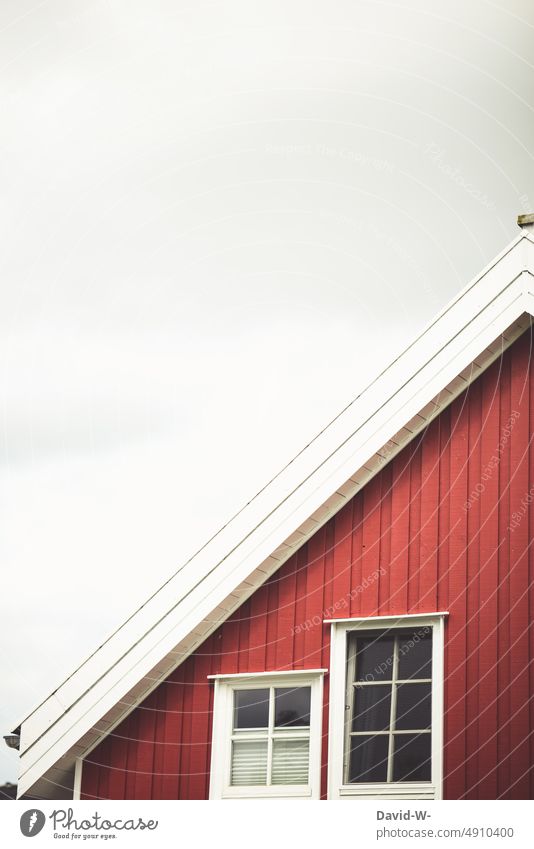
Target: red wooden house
<point>361,629</point>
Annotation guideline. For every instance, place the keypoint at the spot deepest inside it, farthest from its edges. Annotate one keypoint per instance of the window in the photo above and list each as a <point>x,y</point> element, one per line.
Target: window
<point>385,734</point>
<point>271,736</point>
<point>266,735</point>
<point>389,690</point>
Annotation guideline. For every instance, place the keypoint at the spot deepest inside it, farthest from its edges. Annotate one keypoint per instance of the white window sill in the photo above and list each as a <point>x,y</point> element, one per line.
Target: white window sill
<point>278,792</point>
<point>400,790</point>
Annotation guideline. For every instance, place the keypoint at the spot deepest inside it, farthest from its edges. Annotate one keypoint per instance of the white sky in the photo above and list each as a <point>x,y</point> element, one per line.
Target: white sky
<point>218,221</point>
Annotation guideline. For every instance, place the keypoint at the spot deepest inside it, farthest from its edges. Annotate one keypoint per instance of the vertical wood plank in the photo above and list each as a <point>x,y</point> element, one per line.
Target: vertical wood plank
<point>503,600</point>
<point>414,548</point>
<point>287,592</point>
<point>531,573</point>
<point>272,624</point>
<point>257,639</point>
<point>354,598</point>
<point>384,583</point>
<point>489,584</point>
<point>131,760</point>
<point>244,637</point>
<point>428,551</point>
<point>188,678</point>
<point>159,742</point>
<point>455,716</point>
<point>200,722</point>
<point>342,561</point>
<point>118,758</point>
<point>297,660</point>
<point>520,493</point>
<point>370,559</point>
<point>229,663</point>
<point>474,470</point>
<point>314,600</point>
<point>145,749</point>
<point>400,533</point>
<point>174,736</point>
<point>90,776</point>
<point>328,600</point>
<point>105,768</point>
<point>444,514</point>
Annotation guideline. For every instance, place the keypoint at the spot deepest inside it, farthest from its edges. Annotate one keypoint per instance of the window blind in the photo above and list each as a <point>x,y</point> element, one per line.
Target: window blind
<point>249,762</point>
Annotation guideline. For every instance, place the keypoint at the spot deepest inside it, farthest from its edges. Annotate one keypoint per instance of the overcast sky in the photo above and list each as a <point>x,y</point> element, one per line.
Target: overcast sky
<point>219,220</point>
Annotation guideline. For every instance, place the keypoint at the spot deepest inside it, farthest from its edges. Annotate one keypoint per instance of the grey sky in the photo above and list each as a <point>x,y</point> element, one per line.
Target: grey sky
<point>218,221</point>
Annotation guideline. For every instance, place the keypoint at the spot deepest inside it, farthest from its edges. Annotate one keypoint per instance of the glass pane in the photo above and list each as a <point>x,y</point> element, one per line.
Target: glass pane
<point>374,658</point>
<point>415,655</point>
<point>249,762</point>
<point>368,758</point>
<point>413,707</point>
<point>290,761</point>
<point>411,761</point>
<point>291,706</point>
<point>372,708</point>
<point>251,708</point>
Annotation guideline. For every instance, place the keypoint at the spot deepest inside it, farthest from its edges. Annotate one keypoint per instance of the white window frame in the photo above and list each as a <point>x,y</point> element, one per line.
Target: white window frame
<point>221,744</point>
<point>340,629</point>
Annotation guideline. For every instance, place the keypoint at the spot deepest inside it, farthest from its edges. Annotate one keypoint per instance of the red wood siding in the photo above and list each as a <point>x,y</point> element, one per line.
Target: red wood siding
<point>411,527</point>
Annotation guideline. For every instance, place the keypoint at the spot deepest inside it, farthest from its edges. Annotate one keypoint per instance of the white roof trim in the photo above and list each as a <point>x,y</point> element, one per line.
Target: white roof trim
<point>442,361</point>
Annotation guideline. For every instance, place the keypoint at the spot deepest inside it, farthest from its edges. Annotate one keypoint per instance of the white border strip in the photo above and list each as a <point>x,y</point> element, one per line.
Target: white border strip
<point>78,767</point>
<point>399,617</point>
<point>276,672</point>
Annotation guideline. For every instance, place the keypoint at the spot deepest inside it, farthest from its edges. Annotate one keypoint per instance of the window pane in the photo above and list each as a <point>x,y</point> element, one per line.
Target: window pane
<point>369,758</point>
<point>249,762</point>
<point>290,761</point>
<point>411,761</point>
<point>372,708</point>
<point>251,708</point>
<point>292,706</point>
<point>374,658</point>
<point>413,706</point>
<point>415,655</point>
